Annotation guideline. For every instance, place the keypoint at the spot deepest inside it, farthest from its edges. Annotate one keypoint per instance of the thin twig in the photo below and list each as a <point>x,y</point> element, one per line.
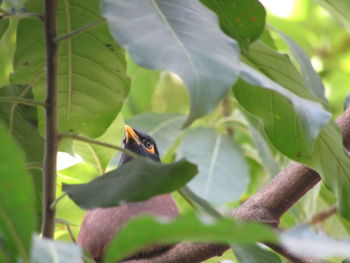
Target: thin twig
<point>67,225</point>
<point>323,215</point>
<point>93,141</point>
<point>18,100</point>
<point>80,30</point>
<point>51,137</point>
<point>54,203</point>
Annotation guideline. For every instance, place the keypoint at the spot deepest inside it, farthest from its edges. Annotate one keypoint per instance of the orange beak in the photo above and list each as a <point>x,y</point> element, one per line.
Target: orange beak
<point>131,135</point>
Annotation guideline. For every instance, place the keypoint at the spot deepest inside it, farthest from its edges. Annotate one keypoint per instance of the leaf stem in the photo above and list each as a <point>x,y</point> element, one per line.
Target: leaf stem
<point>67,225</point>
<point>93,141</point>
<point>34,165</point>
<point>8,15</point>
<point>54,203</point>
<point>51,135</point>
<point>18,100</point>
<point>79,30</point>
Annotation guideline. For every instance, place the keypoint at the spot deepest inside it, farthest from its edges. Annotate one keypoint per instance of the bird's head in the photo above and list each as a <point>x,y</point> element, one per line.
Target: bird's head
<point>140,143</point>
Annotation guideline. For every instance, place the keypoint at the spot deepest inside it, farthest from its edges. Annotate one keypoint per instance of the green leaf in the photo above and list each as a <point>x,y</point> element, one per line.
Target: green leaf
<point>4,24</point>
<point>264,150</point>
<point>92,79</point>
<point>17,201</point>
<point>51,251</point>
<point>134,181</point>
<point>99,156</point>
<point>242,20</point>
<point>143,84</point>
<point>340,11</point>
<point>303,241</point>
<point>254,254</point>
<point>333,164</point>
<point>147,230</point>
<point>279,109</point>
<point>21,121</point>
<point>279,68</point>
<point>216,156</point>
<point>164,128</point>
<point>312,81</point>
<point>182,37</point>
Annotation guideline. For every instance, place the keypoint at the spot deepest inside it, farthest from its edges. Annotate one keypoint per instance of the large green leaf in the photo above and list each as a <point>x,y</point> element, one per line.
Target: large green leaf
<point>164,128</point>
<point>92,79</point>
<point>179,36</point>
<point>340,10</point>
<point>134,181</point>
<point>99,156</point>
<point>279,109</point>
<point>242,20</point>
<point>223,172</point>
<point>51,251</point>
<point>147,230</point>
<point>21,121</point>
<point>17,201</point>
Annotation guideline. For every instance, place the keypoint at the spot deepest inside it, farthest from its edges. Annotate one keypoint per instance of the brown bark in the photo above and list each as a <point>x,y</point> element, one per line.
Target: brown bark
<point>51,138</point>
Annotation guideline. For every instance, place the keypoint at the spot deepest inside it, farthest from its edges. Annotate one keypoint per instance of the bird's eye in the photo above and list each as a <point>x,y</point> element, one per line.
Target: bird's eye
<point>148,144</point>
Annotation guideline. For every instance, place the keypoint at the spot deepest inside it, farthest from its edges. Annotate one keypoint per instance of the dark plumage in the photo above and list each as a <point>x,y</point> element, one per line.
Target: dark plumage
<point>100,225</point>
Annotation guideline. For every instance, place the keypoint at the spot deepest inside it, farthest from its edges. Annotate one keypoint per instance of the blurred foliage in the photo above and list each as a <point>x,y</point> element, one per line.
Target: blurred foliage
<point>158,103</point>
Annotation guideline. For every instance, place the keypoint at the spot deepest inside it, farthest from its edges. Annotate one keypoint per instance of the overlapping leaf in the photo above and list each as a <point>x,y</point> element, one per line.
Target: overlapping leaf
<point>298,126</point>
<point>242,20</point>
<point>21,121</point>
<point>17,201</point>
<point>92,79</point>
<point>185,227</point>
<point>179,36</point>
<point>137,180</point>
<point>279,110</point>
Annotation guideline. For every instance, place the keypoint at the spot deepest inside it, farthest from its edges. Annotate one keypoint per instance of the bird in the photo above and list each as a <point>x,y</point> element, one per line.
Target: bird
<point>100,225</point>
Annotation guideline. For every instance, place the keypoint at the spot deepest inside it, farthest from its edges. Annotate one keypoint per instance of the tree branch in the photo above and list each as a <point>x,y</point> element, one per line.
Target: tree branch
<point>73,136</point>
<point>266,206</point>
<point>51,138</point>
<point>323,215</point>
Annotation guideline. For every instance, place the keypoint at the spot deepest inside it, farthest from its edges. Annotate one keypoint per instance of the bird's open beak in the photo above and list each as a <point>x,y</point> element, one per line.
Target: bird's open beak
<point>131,134</point>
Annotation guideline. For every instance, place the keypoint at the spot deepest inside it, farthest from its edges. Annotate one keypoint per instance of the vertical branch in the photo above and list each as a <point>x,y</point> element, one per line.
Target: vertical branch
<point>51,138</point>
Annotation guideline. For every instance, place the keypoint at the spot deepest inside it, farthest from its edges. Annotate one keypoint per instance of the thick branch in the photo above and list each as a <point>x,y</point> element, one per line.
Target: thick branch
<point>51,139</point>
<point>266,206</point>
